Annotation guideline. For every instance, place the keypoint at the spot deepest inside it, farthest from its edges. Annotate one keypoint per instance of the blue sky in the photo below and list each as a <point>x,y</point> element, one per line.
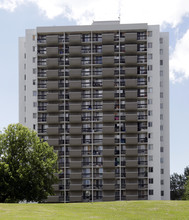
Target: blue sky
<point>18,15</point>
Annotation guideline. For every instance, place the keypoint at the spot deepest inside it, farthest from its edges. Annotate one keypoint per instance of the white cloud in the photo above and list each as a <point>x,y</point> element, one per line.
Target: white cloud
<point>179,60</point>
<point>84,11</point>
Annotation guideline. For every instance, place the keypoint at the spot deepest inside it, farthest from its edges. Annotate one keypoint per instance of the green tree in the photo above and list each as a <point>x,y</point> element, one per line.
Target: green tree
<point>27,166</point>
<point>186,192</point>
<point>177,182</point>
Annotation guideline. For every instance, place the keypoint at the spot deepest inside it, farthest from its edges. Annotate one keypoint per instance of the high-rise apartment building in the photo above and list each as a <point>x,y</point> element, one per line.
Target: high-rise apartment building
<point>100,95</point>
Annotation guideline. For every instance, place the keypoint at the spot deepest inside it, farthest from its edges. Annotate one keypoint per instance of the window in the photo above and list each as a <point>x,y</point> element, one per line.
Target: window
<point>150,146</point>
<point>161,94</point>
<point>24,98</point>
<point>149,78</point>
<point>151,169</point>
<point>161,72</point>
<point>34,127</point>
<point>33,48</point>
<point>161,40</point>
<point>150,135</point>
<point>150,45</point>
<point>150,56</point>
<point>161,105</point>
<point>161,51</point>
<point>25,119</point>
<point>34,82</point>
<point>33,37</point>
<point>162,182</point>
<point>150,124</point>
<point>162,171</point>
<point>161,127</point>
<point>150,90</point>
<point>150,113</point>
<point>34,58</point>
<point>24,55</point>
<point>162,193</point>
<point>161,62</point>
<point>34,93</point>
<point>161,138</point>
<point>161,117</point>
<point>24,87</point>
<point>161,160</point>
<point>34,71</point>
<point>24,76</point>
<point>34,104</point>
<point>24,66</point>
<point>149,101</point>
<point>149,67</point>
<point>151,180</point>
<point>150,157</point>
<point>149,33</point>
<point>34,115</point>
<point>161,84</point>
<point>151,192</point>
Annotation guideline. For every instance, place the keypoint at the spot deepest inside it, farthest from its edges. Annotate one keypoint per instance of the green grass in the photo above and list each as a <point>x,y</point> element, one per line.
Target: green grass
<point>106,210</point>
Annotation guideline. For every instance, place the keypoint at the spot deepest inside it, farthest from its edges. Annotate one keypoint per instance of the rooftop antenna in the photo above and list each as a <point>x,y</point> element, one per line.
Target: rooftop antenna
<point>119,11</point>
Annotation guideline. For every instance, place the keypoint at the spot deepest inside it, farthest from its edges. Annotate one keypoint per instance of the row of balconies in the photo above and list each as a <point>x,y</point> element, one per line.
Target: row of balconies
<point>76,62</point>
<point>78,84</point>
<point>79,50</point>
<point>78,73</point>
<point>78,39</point>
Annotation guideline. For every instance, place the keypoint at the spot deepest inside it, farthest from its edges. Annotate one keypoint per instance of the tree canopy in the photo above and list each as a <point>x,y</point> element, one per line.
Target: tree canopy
<point>27,166</point>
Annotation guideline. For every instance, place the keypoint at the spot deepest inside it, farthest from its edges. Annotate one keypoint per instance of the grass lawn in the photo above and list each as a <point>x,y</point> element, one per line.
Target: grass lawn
<point>106,210</point>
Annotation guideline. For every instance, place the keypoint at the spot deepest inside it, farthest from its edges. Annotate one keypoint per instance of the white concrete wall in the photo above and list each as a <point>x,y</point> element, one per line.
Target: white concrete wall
<point>155,108</point>
<point>28,46</point>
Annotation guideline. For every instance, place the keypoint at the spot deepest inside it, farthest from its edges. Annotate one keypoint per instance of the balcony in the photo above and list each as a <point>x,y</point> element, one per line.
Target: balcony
<point>108,140</point>
<point>131,71</point>
<point>131,117</point>
<point>75,118</point>
<point>108,61</point>
<point>52,74</point>
<point>53,142</point>
<point>131,175</point>
<point>108,152</point>
<point>107,38</point>
<point>108,164</point>
<point>108,129</point>
<point>108,73</point>
<point>108,84</point>
<point>52,85</point>
<point>52,119</point>
<point>131,128</point>
<point>108,107</point>
<point>52,40</point>
<point>107,198</point>
<point>108,175</point>
<point>131,83</point>
<point>52,131</point>
<point>130,60</point>
<point>75,39</point>
<point>52,63</point>
<point>52,108</point>
<point>131,152</point>
<point>74,96</point>
<point>75,62</point>
<point>75,142</point>
<point>130,37</point>
<point>131,106</point>
<point>52,51</point>
<point>75,175</point>
<point>75,51</point>
<point>75,164</point>
<point>131,163</point>
<point>75,107</point>
<point>132,197</point>
<point>75,198</point>
<point>108,187</point>
<point>75,153</point>
<point>75,84</point>
<point>130,48</point>
<point>107,49</point>
<point>75,73</point>
<point>52,199</point>
<point>131,140</point>
<point>75,130</point>
<point>75,187</point>
<point>131,94</point>
<point>108,118</point>
<point>108,95</point>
